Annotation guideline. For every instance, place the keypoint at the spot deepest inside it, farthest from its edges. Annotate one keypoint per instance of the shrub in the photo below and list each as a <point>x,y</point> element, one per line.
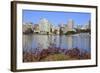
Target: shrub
<point>70,32</point>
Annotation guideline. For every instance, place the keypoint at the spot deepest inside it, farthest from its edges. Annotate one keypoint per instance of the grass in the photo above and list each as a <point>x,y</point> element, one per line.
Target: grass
<point>56,57</point>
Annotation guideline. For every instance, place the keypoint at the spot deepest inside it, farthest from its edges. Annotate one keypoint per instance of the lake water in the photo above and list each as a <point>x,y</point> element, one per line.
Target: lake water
<point>36,41</point>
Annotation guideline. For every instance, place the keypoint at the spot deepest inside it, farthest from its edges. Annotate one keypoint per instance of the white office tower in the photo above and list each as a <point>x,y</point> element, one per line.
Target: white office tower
<point>44,26</point>
<point>70,25</point>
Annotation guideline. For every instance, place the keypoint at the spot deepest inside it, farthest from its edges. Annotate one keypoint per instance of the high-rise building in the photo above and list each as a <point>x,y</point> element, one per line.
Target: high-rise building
<point>44,26</point>
<point>26,26</point>
<point>70,25</point>
<point>88,25</point>
<point>36,28</point>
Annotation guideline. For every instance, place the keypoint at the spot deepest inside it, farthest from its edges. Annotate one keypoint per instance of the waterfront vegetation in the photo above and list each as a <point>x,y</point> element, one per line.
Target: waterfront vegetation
<point>55,54</point>
<point>76,31</point>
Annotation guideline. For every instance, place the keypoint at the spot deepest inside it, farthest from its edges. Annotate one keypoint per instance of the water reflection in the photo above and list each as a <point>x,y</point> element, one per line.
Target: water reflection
<point>33,42</point>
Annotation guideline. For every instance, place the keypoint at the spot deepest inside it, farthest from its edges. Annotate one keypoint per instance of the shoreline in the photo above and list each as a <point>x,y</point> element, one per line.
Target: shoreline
<point>59,34</point>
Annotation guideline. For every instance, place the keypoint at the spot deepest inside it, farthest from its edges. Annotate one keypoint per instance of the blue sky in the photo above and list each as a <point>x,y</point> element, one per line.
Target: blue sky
<point>55,18</point>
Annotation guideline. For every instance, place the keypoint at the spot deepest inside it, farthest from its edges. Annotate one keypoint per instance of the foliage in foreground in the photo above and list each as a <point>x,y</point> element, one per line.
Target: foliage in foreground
<point>55,54</point>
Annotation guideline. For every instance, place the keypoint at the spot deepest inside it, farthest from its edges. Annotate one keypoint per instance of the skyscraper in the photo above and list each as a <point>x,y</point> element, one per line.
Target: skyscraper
<point>44,25</point>
<point>70,25</point>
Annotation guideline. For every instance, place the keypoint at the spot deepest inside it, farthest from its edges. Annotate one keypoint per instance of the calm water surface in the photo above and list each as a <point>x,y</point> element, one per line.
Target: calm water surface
<point>81,41</point>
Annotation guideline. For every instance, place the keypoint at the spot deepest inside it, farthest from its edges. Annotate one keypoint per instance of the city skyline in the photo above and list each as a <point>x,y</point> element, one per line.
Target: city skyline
<point>55,18</point>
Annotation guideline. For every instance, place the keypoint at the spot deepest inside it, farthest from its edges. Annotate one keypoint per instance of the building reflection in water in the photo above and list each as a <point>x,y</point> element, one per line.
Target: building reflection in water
<point>32,42</point>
